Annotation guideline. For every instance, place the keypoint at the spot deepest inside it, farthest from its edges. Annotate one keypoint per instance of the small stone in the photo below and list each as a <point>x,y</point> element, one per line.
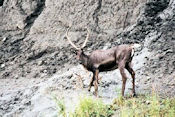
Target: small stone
<point>40,63</point>
<point>148,78</point>
<point>45,71</point>
<point>70,76</point>
<point>2,65</point>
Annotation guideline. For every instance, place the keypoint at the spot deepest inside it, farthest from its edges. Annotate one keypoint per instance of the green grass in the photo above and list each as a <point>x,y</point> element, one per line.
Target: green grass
<point>60,107</point>
<point>89,107</point>
<point>145,106</point>
<point>142,106</point>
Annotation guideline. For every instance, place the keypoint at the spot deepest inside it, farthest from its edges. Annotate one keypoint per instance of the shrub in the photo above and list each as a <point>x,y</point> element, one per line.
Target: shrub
<point>89,107</point>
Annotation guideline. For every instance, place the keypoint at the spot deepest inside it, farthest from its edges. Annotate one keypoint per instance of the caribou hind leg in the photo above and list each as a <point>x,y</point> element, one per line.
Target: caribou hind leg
<point>131,71</point>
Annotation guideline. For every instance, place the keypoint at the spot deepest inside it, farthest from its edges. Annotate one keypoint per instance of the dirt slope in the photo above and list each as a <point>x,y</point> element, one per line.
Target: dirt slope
<point>34,51</point>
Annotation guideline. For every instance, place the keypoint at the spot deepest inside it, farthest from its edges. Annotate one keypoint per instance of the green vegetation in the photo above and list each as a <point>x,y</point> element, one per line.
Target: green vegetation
<point>60,107</point>
<point>89,107</point>
<point>142,106</point>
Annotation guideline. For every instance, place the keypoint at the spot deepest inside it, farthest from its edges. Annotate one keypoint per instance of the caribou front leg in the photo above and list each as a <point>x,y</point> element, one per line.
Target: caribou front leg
<point>131,71</point>
<point>96,82</point>
<point>91,82</point>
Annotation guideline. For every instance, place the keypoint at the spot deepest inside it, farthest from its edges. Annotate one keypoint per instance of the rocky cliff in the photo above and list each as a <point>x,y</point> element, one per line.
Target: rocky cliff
<point>33,46</point>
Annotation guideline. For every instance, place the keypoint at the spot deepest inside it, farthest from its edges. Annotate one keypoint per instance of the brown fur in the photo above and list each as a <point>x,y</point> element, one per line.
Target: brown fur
<point>106,60</point>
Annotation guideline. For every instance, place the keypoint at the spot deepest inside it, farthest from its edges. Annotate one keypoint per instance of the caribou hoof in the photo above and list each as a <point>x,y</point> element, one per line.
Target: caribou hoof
<point>95,94</point>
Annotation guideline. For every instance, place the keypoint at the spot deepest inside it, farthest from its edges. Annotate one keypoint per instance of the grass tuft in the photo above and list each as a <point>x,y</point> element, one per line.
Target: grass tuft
<point>145,106</point>
<point>142,106</point>
<point>89,107</point>
<point>60,107</point>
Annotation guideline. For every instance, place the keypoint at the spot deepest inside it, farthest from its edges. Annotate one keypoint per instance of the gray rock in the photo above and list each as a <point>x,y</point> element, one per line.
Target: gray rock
<point>35,42</point>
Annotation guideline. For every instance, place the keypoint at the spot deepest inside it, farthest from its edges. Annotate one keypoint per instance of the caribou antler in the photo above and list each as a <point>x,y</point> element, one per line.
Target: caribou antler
<point>71,41</point>
<point>84,44</point>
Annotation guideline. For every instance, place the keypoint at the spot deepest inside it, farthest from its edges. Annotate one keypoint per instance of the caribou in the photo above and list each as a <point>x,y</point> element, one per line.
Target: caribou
<point>106,60</point>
